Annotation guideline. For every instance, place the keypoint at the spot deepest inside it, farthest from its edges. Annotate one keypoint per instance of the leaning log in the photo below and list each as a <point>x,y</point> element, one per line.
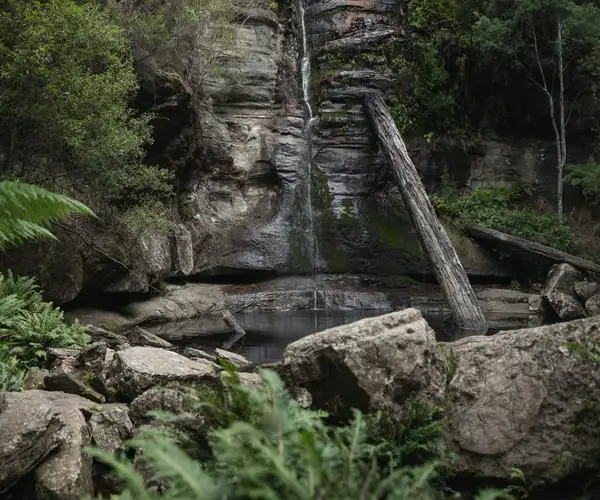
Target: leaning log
<point>465,309</point>
<point>529,248</point>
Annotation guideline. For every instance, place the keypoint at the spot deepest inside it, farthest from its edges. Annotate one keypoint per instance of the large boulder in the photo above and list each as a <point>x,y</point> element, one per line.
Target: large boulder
<point>67,473</point>
<point>164,399</point>
<point>141,337</point>
<point>525,399</point>
<point>137,369</point>
<point>560,293</point>
<point>45,431</point>
<point>380,362</point>
<point>29,434</point>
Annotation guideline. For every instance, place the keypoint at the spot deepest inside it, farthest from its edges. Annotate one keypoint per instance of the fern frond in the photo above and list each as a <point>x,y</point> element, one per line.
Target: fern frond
<point>125,471</point>
<point>26,211</point>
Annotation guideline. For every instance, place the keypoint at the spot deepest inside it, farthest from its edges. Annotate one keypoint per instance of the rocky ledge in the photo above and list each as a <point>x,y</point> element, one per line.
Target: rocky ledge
<point>504,308</point>
<point>521,399</point>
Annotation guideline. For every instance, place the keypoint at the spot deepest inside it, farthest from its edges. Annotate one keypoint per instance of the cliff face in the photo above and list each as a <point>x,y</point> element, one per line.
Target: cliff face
<point>242,171</point>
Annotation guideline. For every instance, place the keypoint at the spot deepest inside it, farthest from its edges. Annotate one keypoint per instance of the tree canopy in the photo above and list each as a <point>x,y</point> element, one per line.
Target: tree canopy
<point>66,81</point>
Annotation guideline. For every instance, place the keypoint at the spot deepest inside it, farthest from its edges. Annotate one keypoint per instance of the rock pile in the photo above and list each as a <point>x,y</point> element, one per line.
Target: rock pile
<point>570,294</point>
<point>522,398</point>
<point>93,397</point>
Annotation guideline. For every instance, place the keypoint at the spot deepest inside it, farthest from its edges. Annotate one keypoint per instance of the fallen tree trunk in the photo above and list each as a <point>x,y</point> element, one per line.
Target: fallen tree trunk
<point>450,273</point>
<point>529,248</point>
<point>239,332</point>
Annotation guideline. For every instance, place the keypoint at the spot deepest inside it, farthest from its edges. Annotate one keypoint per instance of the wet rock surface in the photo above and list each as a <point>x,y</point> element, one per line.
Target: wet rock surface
<point>504,308</point>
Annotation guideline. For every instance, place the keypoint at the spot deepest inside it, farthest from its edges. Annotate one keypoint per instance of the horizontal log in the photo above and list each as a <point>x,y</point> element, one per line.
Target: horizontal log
<point>527,247</point>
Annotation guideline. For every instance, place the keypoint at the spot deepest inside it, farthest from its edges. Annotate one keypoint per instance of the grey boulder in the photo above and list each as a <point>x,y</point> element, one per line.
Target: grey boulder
<point>585,289</point>
<point>45,432</point>
<point>592,305</point>
<point>559,291</point>
<point>110,425</point>
<point>385,361</point>
<point>515,397</point>
<point>137,369</point>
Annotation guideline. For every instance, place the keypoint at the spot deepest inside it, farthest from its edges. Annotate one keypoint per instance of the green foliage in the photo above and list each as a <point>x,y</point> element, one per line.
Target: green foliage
<point>498,208</point>
<point>178,43</point>
<point>588,177</point>
<point>525,34</point>
<point>26,211</point>
<point>450,362</point>
<point>262,444</point>
<point>430,70</point>
<point>66,78</point>
<point>12,373</point>
<point>470,66</point>
<point>29,325</point>
<point>140,218</point>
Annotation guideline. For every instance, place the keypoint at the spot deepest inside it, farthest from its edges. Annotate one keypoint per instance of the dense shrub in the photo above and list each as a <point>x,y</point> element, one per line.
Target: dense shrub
<point>499,208</point>
<point>587,176</point>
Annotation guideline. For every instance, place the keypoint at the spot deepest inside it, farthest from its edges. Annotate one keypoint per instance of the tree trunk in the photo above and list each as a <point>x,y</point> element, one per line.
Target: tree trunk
<point>450,273</point>
<point>563,131</point>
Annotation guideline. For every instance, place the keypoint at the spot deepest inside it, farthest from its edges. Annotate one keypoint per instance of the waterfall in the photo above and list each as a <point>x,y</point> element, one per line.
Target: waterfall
<point>308,120</point>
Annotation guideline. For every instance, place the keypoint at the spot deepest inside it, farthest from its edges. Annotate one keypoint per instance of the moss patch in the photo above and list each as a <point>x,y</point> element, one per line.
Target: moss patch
<point>364,237</point>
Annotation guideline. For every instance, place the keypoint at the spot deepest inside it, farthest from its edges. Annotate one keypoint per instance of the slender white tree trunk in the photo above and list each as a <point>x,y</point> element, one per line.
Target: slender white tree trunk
<point>558,128</point>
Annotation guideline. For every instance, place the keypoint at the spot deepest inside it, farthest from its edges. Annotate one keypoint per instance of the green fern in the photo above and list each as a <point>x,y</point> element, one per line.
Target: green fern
<point>29,325</point>
<point>12,374</point>
<point>27,211</point>
<point>272,449</point>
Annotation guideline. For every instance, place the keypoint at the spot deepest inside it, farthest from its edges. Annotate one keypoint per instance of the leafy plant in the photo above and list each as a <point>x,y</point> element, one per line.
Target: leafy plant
<point>588,350</point>
<point>29,325</point>
<point>264,445</point>
<point>450,362</point>
<point>26,211</point>
<point>588,177</point>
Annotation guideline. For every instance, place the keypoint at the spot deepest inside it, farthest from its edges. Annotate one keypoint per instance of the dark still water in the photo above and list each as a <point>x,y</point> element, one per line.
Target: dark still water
<point>267,332</point>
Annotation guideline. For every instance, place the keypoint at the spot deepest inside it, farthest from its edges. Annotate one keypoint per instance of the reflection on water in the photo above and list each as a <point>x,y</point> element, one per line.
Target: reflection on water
<point>267,333</point>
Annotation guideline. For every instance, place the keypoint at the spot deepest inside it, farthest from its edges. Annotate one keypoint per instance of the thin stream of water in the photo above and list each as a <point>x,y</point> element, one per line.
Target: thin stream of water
<point>308,120</point>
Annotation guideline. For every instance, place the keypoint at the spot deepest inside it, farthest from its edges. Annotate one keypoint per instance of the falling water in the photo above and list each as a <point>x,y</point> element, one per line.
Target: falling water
<point>308,114</point>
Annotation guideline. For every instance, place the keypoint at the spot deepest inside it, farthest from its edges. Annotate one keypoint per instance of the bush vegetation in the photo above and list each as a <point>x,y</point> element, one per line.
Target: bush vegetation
<point>66,82</point>
<point>502,208</point>
<point>259,443</point>
<point>28,327</point>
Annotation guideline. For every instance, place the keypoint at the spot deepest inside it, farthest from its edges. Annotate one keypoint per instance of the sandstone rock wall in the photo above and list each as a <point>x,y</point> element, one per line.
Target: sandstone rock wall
<point>242,178</point>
